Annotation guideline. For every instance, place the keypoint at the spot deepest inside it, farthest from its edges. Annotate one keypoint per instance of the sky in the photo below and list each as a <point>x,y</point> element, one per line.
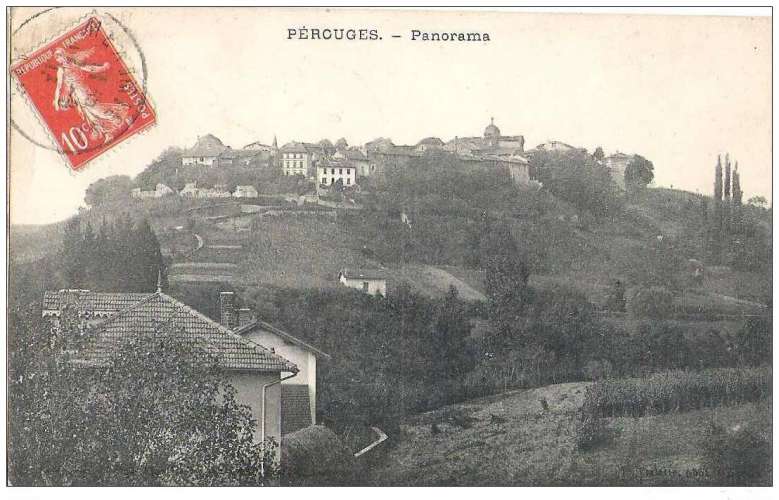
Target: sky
<point>678,90</point>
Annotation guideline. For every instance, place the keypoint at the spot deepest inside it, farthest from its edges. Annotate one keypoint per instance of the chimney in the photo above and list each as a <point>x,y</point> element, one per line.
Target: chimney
<point>245,316</point>
<point>227,309</point>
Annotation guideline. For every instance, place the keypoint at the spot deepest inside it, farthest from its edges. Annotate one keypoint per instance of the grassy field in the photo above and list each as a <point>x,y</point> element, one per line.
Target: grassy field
<point>512,440</point>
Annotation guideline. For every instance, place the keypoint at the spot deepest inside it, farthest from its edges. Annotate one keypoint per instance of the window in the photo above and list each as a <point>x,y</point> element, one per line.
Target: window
<point>340,171</point>
<point>324,180</point>
<point>332,171</point>
<point>348,181</point>
<point>364,286</point>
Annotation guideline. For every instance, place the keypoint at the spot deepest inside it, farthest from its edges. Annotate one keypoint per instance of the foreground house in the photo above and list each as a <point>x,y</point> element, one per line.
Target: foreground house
<point>254,370</point>
<point>298,394</point>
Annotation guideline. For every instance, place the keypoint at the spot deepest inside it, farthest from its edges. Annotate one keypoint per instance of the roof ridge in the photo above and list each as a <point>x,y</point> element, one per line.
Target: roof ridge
<point>278,331</point>
<point>224,329</point>
<point>123,312</point>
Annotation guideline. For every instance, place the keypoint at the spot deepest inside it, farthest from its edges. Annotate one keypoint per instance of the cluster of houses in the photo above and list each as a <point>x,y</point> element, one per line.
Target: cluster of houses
<point>191,190</point>
<point>327,164</point>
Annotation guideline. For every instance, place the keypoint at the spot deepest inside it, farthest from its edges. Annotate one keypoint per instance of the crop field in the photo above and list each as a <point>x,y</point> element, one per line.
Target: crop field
<point>512,439</point>
<point>677,391</point>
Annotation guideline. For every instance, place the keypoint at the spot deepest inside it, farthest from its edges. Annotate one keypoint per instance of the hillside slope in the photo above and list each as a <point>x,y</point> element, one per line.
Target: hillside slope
<point>511,440</point>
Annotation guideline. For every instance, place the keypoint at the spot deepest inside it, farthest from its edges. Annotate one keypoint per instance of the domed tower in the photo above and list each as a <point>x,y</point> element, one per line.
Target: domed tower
<point>492,133</point>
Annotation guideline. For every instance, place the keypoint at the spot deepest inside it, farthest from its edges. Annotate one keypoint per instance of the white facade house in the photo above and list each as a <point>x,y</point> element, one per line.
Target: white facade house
<point>298,394</point>
<point>370,281</point>
<point>331,171</point>
<point>296,159</point>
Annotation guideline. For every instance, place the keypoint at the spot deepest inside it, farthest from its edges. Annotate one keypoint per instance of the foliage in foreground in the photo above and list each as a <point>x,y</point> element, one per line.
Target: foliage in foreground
<point>160,413</point>
<point>677,391</point>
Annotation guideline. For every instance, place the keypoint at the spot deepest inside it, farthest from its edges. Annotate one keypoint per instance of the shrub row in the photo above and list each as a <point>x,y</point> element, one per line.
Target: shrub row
<point>676,390</point>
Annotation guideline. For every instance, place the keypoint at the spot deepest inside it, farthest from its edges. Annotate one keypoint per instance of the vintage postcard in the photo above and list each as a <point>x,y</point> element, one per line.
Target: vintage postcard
<point>389,247</point>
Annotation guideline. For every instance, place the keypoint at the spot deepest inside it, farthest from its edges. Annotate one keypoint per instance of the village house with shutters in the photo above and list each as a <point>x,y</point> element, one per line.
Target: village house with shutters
<point>280,392</point>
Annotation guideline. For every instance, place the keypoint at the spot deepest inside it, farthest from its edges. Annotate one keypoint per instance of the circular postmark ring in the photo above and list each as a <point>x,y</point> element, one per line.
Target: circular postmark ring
<point>143,79</point>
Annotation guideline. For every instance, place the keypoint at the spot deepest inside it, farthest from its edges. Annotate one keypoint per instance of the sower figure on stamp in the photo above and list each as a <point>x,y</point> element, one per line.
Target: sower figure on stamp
<point>71,90</point>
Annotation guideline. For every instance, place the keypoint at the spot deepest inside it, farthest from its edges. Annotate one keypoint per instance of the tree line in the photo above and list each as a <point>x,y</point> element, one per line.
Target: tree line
<point>734,232</point>
<point>120,256</point>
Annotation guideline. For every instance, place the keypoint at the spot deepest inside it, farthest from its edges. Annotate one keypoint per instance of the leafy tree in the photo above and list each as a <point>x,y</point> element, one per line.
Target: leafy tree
<point>598,154</point>
<point>562,320</point>
<point>506,276</point>
<point>452,358</point>
<point>90,260</point>
<point>112,188</point>
<point>576,177</point>
<point>165,169</point>
<point>161,413</point>
<point>663,345</point>
<point>639,173</point>
<point>758,201</point>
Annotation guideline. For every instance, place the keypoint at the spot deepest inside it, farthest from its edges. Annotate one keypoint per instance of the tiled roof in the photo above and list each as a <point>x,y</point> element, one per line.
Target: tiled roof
<point>86,301</point>
<point>335,162</point>
<point>431,141</point>
<point>353,154</point>
<point>294,147</point>
<point>162,311</point>
<point>295,408</point>
<point>208,145</point>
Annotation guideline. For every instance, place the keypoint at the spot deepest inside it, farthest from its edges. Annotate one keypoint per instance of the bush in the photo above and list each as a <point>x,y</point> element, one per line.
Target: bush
<point>740,456</point>
<point>654,302</point>
<point>591,430</point>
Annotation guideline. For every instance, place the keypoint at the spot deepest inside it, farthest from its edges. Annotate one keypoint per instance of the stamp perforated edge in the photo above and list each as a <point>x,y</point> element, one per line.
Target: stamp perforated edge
<point>109,153</point>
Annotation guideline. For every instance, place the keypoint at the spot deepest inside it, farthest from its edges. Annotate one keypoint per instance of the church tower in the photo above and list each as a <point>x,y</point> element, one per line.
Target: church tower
<point>492,134</point>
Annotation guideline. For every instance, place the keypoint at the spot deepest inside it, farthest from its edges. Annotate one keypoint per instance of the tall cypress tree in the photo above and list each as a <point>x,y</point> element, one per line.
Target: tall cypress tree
<point>717,229</point>
<point>718,181</point>
<point>726,206</point>
<point>726,187</point>
<point>737,196</point>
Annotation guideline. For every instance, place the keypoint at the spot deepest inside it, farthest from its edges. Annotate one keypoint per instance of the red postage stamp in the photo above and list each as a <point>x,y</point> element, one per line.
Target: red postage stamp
<point>84,93</point>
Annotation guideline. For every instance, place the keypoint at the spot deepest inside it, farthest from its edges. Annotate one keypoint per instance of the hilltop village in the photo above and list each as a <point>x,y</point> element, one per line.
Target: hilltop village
<point>340,167</point>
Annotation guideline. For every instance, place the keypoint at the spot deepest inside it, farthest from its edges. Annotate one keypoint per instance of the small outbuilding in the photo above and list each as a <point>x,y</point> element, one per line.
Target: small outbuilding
<point>370,281</point>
